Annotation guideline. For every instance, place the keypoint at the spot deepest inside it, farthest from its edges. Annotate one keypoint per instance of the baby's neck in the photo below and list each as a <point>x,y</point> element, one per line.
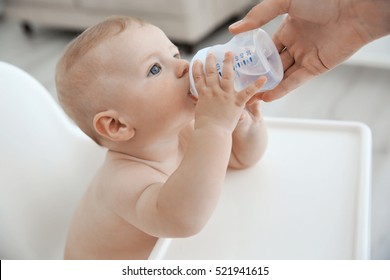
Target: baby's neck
<point>164,156</point>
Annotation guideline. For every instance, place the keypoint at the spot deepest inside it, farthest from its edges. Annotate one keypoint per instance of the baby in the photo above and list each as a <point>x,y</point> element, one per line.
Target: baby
<point>125,85</point>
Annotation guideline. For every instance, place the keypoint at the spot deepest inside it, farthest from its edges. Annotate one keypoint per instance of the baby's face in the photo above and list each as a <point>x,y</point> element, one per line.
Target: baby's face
<point>148,79</point>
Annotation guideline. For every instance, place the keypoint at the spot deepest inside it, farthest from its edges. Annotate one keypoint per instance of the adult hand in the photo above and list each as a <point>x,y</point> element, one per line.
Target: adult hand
<point>316,35</point>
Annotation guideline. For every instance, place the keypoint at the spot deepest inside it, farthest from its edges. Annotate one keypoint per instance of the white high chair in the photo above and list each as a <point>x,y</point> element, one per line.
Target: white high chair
<point>308,198</point>
<point>45,164</point>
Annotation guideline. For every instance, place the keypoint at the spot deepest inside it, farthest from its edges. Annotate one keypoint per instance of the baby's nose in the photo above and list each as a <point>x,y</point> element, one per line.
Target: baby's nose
<point>182,68</point>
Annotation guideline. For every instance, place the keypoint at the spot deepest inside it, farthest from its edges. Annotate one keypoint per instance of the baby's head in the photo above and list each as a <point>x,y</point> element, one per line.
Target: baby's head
<point>123,78</point>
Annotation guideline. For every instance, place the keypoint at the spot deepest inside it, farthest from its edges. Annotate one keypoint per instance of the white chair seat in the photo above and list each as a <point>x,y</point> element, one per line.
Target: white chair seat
<point>45,164</point>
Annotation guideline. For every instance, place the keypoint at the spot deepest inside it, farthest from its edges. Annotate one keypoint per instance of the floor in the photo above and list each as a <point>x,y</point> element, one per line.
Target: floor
<point>349,92</point>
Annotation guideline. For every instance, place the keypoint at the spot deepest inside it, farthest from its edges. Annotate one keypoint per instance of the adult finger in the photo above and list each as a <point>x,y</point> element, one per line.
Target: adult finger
<point>293,79</point>
<point>287,60</point>
<point>260,15</point>
<point>277,38</point>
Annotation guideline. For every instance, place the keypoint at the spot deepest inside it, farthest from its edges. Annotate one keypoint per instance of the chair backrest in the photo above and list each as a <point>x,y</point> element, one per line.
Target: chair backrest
<point>46,163</point>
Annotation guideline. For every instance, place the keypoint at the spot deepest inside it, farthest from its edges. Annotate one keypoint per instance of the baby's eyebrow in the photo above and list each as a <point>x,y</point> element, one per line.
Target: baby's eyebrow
<point>149,56</point>
<point>173,47</point>
<point>156,53</point>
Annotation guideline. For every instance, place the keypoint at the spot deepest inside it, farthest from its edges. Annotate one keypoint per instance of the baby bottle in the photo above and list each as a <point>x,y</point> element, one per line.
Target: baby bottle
<point>255,55</point>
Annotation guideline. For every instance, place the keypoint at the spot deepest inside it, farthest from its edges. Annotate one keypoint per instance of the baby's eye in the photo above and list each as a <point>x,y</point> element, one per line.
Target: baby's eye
<point>177,55</point>
<point>154,70</point>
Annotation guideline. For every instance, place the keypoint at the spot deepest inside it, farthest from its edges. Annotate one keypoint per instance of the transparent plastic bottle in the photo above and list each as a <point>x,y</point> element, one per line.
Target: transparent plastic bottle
<point>255,55</point>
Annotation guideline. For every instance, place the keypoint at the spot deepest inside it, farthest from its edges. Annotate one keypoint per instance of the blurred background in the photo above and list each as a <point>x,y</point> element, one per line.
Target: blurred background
<point>34,33</point>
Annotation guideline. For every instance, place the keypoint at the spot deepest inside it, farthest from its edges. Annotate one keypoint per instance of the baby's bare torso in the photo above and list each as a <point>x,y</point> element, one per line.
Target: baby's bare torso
<point>102,223</point>
<point>98,230</point>
<point>98,233</point>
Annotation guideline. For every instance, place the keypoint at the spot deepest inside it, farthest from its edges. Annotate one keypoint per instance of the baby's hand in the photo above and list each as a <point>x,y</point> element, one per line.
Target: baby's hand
<point>218,103</point>
<point>251,113</point>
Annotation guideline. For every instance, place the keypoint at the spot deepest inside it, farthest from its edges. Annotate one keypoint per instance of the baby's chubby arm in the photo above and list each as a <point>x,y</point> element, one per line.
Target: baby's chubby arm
<point>250,134</point>
<point>183,204</point>
<point>249,137</point>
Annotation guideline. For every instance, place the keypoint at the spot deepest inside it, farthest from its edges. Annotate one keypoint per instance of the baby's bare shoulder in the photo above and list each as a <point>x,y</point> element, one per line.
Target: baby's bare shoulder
<point>130,176</point>
<point>123,181</point>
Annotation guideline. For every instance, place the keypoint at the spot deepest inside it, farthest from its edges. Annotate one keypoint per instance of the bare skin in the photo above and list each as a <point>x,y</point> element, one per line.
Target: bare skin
<point>164,169</point>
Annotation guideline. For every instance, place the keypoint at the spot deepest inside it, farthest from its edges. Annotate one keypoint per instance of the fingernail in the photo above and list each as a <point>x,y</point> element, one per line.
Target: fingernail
<point>236,24</point>
<point>228,55</point>
<point>210,56</point>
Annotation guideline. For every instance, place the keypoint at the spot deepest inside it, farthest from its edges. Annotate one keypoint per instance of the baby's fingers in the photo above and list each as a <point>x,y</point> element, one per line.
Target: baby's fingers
<point>247,93</point>
<point>199,79</point>
<point>227,73</point>
<point>212,77</point>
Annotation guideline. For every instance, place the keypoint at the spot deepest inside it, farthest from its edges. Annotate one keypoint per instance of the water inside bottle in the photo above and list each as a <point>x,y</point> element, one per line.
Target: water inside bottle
<point>249,66</point>
<point>255,55</point>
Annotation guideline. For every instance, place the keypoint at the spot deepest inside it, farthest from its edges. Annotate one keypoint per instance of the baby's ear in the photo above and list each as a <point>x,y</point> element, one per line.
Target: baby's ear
<point>109,125</point>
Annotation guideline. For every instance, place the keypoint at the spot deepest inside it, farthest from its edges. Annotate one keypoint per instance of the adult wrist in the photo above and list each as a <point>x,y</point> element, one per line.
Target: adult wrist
<point>373,17</point>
